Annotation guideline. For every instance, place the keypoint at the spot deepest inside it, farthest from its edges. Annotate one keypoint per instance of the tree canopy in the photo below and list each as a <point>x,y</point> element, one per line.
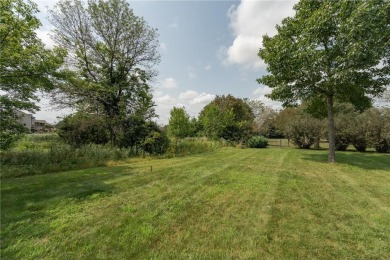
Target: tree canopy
<point>228,117</point>
<point>25,65</point>
<point>179,125</point>
<point>112,55</point>
<point>329,51</point>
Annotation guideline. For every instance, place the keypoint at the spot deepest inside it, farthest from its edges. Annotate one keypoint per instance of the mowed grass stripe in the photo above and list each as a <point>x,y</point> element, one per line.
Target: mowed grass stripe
<point>229,204</point>
<point>308,208</point>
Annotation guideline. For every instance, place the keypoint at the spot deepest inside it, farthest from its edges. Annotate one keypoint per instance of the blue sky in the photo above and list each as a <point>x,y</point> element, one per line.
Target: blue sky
<point>208,48</point>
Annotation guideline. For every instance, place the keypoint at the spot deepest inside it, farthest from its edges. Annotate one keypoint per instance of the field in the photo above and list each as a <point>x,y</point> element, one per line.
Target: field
<point>273,203</point>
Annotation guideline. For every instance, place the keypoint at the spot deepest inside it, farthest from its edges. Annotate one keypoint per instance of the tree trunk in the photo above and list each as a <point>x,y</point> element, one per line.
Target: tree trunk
<point>331,130</point>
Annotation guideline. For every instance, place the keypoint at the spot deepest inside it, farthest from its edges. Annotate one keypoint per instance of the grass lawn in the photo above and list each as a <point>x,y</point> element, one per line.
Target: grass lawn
<point>230,204</point>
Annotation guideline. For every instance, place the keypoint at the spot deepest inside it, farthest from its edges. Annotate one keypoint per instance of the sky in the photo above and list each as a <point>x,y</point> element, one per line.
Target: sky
<point>208,48</point>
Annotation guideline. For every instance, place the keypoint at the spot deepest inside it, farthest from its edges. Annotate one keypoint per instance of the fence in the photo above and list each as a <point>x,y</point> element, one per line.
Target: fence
<point>279,142</point>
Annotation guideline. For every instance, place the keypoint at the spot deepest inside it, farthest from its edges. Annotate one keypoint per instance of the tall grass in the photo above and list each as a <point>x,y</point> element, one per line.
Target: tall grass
<point>187,146</point>
<point>38,154</point>
<point>46,153</point>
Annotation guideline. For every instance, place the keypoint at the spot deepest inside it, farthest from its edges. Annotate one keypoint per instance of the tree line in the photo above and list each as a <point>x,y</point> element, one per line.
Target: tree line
<point>328,54</point>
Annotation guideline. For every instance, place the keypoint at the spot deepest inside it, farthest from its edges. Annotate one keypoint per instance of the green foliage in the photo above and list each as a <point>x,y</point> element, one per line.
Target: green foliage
<point>227,204</point>
<point>227,117</point>
<point>193,145</point>
<point>25,66</point>
<point>179,125</point>
<point>83,128</point>
<point>257,142</point>
<point>156,142</point>
<point>33,160</point>
<point>215,120</point>
<point>10,129</point>
<point>303,129</point>
<point>114,51</point>
<point>329,51</point>
<point>377,122</point>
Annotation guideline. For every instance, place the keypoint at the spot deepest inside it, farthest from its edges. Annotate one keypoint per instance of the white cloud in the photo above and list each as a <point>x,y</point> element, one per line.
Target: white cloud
<point>249,21</point>
<point>202,98</point>
<point>169,83</point>
<point>263,90</point>
<point>260,93</point>
<point>189,94</point>
<point>208,67</point>
<point>192,75</point>
<point>190,99</point>
<point>165,100</point>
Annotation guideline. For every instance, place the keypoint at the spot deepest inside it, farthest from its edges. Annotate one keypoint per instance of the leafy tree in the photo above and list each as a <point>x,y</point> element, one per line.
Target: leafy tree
<point>112,54</point>
<point>227,117</point>
<point>156,141</point>
<point>300,127</point>
<point>329,51</point>
<point>214,120</point>
<point>179,123</point>
<point>83,128</point>
<point>377,122</point>
<point>284,121</point>
<point>25,65</point>
<point>264,118</point>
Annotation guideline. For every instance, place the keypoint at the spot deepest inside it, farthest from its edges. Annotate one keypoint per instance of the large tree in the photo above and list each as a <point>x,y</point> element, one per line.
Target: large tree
<point>227,117</point>
<point>112,54</point>
<point>25,65</point>
<point>330,51</point>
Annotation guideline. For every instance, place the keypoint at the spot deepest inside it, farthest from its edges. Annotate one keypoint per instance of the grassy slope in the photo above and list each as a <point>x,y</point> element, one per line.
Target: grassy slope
<point>229,204</point>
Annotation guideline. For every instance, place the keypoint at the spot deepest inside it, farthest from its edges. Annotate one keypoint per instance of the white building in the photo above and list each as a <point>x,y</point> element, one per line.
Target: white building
<point>28,120</point>
<point>32,124</point>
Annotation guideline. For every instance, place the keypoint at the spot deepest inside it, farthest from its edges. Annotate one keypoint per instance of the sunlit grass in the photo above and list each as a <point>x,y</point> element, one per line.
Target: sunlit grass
<point>228,204</point>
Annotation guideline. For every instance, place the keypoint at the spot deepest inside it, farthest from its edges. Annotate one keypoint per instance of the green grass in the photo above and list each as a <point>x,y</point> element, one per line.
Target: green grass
<point>228,204</point>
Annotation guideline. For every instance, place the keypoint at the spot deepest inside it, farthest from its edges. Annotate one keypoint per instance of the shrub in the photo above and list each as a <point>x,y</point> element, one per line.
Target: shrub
<point>341,141</point>
<point>377,122</point>
<point>83,128</point>
<point>257,142</point>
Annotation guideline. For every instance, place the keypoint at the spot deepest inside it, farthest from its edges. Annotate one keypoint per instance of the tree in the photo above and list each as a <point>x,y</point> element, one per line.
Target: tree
<point>329,51</point>
<point>25,65</point>
<point>179,123</point>
<point>214,120</point>
<point>228,117</point>
<point>112,54</point>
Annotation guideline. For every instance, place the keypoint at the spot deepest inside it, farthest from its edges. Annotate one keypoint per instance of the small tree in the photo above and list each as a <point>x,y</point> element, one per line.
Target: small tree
<point>179,125</point>
<point>329,51</point>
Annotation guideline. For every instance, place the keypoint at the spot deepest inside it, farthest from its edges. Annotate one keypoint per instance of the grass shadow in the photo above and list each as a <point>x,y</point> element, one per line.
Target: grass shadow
<point>367,161</point>
<point>27,203</point>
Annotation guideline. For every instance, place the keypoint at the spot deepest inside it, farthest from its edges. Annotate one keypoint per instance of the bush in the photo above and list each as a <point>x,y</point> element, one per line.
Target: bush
<point>341,142</point>
<point>257,142</point>
<point>83,128</point>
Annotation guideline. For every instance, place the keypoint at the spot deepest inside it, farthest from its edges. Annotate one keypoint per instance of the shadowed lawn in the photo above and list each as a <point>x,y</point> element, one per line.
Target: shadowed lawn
<point>229,204</point>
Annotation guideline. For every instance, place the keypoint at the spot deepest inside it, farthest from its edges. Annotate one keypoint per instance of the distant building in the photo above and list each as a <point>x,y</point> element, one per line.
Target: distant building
<point>32,124</point>
<point>27,120</point>
<point>40,125</point>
